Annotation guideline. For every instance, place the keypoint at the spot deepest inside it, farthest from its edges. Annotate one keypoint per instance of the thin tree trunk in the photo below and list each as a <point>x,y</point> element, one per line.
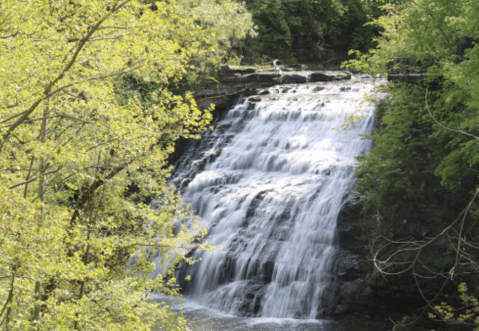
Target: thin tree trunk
<point>25,191</point>
<point>41,193</point>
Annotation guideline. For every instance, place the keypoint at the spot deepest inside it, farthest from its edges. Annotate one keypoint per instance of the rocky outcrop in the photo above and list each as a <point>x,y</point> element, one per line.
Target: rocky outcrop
<point>360,290</point>
<point>352,287</point>
<point>288,74</point>
<point>234,80</point>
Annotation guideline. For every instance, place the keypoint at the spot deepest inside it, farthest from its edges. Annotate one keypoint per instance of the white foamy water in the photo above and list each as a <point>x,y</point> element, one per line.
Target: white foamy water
<point>268,184</point>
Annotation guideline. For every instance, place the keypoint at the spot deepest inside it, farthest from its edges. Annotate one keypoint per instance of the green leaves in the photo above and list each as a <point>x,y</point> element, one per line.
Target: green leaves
<point>87,121</point>
<point>444,31</point>
<point>298,30</point>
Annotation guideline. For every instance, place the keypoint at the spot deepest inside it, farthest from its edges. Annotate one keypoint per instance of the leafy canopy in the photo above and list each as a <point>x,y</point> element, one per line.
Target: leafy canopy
<point>82,150</point>
<point>443,34</point>
<point>425,162</point>
<point>299,30</point>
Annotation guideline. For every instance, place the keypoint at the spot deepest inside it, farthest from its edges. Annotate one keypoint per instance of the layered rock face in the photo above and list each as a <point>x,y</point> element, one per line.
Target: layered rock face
<point>234,80</point>
<point>233,74</point>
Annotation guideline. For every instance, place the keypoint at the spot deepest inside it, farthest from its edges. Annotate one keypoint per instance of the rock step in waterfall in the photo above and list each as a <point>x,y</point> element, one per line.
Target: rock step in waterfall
<point>269,182</point>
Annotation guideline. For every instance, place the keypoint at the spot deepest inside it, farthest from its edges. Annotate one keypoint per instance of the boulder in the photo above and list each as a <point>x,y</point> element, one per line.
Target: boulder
<point>229,69</point>
<point>268,77</point>
<point>340,75</point>
<point>293,78</point>
<point>326,76</point>
<point>321,77</point>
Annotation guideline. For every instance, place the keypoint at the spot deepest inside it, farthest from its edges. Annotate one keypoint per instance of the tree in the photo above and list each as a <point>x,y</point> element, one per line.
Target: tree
<point>300,30</point>
<point>87,120</point>
<point>428,137</point>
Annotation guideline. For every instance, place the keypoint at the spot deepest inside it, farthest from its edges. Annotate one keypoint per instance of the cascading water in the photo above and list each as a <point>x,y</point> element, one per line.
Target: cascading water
<point>268,183</point>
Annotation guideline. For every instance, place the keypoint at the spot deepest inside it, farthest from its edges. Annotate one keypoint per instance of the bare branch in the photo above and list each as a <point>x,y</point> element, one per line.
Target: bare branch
<point>444,127</point>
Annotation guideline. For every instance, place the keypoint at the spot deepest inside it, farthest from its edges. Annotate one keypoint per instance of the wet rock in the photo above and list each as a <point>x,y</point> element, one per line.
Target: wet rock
<point>321,77</point>
<point>340,310</point>
<point>248,78</point>
<point>347,229</point>
<point>293,78</point>
<point>268,78</point>
<point>340,75</point>
<point>355,292</point>
<point>267,271</point>
<point>255,203</point>
<point>251,301</point>
<point>349,266</point>
<point>366,77</point>
<point>326,76</point>
<point>329,300</point>
<point>185,183</point>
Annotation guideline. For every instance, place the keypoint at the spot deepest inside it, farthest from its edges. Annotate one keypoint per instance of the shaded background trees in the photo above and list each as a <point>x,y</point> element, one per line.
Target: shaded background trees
<point>302,30</point>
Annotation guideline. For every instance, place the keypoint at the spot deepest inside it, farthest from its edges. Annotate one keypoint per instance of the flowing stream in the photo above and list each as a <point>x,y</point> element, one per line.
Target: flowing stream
<point>268,183</point>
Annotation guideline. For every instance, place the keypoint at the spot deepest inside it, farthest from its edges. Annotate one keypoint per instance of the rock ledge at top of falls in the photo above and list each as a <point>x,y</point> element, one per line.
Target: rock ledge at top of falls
<point>288,74</point>
<point>233,80</point>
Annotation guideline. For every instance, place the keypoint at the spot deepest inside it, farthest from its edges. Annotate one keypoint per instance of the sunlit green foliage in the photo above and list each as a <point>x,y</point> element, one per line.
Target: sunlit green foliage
<point>426,155</point>
<point>397,164</point>
<point>86,125</point>
<point>467,313</point>
<point>444,33</point>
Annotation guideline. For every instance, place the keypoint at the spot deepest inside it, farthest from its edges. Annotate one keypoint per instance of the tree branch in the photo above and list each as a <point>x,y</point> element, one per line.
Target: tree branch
<point>444,127</point>
<point>35,178</point>
<point>47,91</point>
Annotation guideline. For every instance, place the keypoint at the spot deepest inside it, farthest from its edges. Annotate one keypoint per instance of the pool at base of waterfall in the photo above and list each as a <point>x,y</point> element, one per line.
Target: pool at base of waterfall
<point>199,318</point>
<point>204,320</point>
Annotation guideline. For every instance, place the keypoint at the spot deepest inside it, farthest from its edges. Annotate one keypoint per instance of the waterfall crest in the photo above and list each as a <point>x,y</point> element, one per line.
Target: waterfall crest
<point>268,183</point>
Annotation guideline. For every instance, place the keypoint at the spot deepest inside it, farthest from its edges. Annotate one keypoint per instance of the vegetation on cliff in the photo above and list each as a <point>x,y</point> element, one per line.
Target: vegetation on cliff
<point>422,176</point>
<point>87,121</point>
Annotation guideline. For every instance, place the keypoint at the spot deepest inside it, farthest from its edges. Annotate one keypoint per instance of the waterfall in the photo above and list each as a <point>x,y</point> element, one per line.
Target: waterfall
<point>268,182</point>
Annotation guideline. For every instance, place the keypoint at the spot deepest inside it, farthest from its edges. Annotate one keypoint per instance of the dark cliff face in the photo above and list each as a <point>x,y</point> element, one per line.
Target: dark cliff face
<point>363,290</point>
<point>407,231</point>
<point>360,288</point>
<point>364,295</point>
